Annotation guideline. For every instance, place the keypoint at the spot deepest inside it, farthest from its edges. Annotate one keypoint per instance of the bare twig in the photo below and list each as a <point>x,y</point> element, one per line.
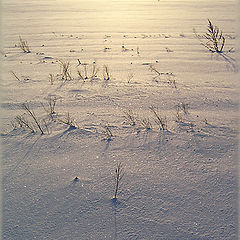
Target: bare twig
<point>106,73</point>
<point>24,45</point>
<point>50,108</point>
<point>14,74</point>
<point>68,121</point>
<point>32,114</point>
<point>118,177</point>
<point>107,132</point>
<point>160,121</point>
<point>146,123</point>
<point>65,70</point>
<point>129,116</point>
<point>22,122</point>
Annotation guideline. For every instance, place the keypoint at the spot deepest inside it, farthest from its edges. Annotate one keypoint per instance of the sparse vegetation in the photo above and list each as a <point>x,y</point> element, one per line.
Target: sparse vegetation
<point>168,49</point>
<point>119,173</point>
<point>15,75</point>
<point>22,122</point>
<point>214,37</point>
<point>84,72</point>
<point>159,120</point>
<point>68,120</point>
<point>107,132</point>
<point>178,115</point>
<point>51,78</point>
<point>184,107</point>
<point>65,70</point>
<point>130,77</point>
<point>158,73</point>
<point>31,113</point>
<point>146,123</point>
<point>130,117</point>
<point>23,45</point>
<point>138,52</point>
<point>50,107</point>
<point>172,82</point>
<point>106,72</point>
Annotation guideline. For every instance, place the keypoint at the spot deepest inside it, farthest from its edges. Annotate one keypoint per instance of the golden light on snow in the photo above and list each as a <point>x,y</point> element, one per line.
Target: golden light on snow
<point>118,97</point>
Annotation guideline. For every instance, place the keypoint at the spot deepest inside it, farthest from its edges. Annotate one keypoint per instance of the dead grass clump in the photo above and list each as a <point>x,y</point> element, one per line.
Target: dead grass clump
<point>184,107</point>
<point>65,72</point>
<point>68,120</point>
<point>214,38</point>
<point>146,123</point>
<point>130,117</point>
<point>22,122</point>
<point>49,107</point>
<point>31,113</point>
<point>130,77</point>
<point>51,78</point>
<point>107,132</point>
<point>160,74</point>
<point>159,120</point>
<point>88,72</point>
<point>23,45</point>
<point>106,72</point>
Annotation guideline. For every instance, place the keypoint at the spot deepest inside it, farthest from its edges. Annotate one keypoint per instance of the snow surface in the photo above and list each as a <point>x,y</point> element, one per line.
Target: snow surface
<point>179,183</point>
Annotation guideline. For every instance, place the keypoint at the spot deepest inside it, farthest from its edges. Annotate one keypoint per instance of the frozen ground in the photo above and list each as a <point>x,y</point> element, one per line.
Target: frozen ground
<point>179,183</point>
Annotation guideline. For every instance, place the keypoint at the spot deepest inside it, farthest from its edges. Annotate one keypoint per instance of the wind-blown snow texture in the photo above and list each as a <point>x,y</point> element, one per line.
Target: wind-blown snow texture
<point>179,183</point>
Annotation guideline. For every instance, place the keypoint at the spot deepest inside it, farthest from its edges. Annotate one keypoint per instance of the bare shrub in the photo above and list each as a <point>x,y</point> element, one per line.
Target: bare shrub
<point>178,115</point>
<point>138,52</point>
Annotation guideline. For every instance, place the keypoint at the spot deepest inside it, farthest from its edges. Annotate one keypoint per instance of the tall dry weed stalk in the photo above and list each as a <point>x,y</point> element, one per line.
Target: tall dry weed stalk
<point>23,44</point>
<point>118,177</point>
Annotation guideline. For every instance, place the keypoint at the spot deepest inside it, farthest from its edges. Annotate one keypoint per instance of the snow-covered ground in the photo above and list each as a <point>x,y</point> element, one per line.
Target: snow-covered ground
<point>179,183</point>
